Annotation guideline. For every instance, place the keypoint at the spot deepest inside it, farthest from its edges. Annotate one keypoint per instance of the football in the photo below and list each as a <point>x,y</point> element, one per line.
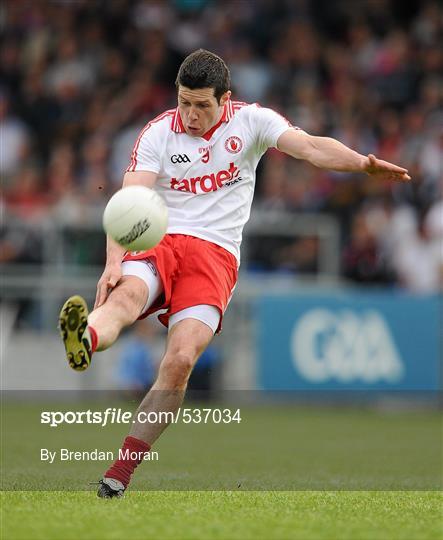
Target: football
<point>136,217</point>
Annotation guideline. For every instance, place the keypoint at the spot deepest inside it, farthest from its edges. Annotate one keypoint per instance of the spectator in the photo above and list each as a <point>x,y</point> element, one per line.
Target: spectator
<point>14,141</point>
<point>419,261</point>
<point>362,262</point>
<point>80,79</point>
<point>70,70</point>
<point>26,197</point>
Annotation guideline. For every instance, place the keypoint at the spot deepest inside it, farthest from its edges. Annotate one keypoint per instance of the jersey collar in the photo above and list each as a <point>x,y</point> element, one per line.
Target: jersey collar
<point>228,112</point>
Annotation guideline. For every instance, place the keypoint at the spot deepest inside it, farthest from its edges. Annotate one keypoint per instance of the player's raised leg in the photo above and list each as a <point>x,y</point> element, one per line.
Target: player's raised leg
<point>83,334</point>
<point>186,342</point>
<point>123,306</point>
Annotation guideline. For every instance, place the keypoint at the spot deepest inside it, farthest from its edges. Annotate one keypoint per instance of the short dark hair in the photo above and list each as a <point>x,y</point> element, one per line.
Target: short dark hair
<point>204,69</point>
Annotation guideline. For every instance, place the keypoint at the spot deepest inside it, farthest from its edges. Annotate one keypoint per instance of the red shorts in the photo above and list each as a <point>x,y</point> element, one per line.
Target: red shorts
<point>193,271</point>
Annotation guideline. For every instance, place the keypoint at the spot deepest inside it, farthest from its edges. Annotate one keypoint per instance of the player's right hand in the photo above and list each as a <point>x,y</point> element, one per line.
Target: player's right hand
<point>109,279</point>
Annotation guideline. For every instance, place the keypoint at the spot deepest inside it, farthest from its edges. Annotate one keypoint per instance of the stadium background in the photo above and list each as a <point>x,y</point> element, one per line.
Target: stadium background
<point>80,79</point>
<point>78,82</point>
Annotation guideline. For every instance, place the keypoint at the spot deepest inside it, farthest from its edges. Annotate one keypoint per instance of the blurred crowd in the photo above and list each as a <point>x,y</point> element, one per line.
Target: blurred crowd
<point>79,79</point>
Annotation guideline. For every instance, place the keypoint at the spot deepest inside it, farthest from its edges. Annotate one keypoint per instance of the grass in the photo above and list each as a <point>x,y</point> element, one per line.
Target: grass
<point>223,515</point>
<point>285,472</point>
<point>275,447</point>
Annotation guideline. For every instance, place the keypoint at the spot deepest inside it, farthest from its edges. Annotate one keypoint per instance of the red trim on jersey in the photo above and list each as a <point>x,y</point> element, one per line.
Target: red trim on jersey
<point>133,163</point>
<point>177,124</point>
<point>180,123</point>
<point>224,118</point>
<point>239,104</point>
<point>229,110</point>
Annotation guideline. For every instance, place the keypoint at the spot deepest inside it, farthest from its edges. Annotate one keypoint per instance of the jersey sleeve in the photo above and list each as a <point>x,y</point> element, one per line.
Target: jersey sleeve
<point>269,125</point>
<point>148,148</point>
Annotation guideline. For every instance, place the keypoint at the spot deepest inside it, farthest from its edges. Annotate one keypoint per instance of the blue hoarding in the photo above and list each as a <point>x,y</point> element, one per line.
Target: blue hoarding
<point>350,341</point>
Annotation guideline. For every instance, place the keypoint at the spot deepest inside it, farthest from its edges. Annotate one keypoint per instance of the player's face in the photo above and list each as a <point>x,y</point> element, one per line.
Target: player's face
<point>199,109</point>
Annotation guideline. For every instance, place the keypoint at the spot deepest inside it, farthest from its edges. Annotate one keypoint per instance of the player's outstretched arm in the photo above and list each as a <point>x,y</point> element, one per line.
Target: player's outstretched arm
<point>114,252</point>
<point>328,153</point>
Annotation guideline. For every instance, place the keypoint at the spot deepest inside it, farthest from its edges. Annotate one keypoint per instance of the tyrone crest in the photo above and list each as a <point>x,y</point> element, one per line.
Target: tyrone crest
<point>233,144</point>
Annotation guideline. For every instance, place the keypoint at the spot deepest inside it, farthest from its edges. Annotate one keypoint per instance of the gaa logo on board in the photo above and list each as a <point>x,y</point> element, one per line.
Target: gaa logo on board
<point>345,346</point>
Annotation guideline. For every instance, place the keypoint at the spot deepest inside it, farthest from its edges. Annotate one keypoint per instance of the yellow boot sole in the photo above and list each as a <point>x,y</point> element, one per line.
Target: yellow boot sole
<point>73,322</point>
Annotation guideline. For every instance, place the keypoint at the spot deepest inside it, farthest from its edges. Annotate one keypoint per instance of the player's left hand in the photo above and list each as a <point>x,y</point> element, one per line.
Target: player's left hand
<point>384,170</point>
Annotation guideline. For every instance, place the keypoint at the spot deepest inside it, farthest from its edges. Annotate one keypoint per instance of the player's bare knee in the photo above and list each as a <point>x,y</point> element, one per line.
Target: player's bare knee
<point>129,297</point>
<point>176,368</point>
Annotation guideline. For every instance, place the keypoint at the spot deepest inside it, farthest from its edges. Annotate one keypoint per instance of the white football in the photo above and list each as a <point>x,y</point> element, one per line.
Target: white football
<point>136,217</point>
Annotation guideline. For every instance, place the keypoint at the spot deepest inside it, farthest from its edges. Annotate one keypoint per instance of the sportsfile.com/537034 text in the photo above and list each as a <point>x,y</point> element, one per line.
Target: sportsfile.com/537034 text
<point>113,415</point>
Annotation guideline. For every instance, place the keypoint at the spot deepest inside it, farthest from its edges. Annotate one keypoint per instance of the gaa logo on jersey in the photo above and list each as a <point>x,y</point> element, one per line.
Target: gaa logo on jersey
<point>233,144</point>
<point>180,158</point>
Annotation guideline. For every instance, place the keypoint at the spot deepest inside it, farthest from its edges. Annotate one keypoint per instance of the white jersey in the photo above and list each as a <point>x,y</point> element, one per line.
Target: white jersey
<point>208,182</point>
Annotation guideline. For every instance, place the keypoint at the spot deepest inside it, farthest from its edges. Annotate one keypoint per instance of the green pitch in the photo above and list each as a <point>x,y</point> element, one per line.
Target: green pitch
<point>281,447</point>
<point>286,471</point>
<point>220,515</point>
